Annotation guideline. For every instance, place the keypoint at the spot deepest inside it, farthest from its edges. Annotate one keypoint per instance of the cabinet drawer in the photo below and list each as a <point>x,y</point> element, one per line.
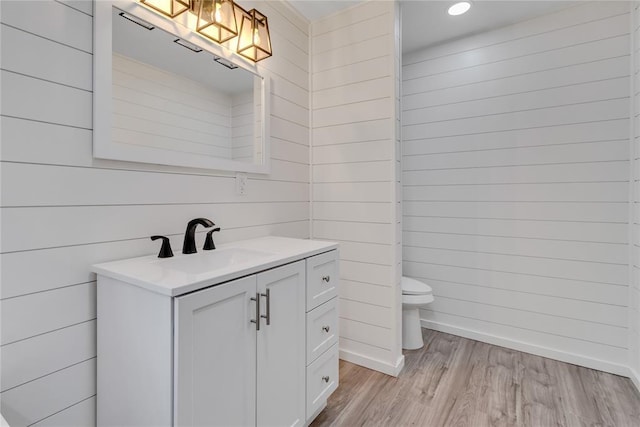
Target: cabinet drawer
<point>322,279</point>
<point>322,329</point>
<point>322,379</point>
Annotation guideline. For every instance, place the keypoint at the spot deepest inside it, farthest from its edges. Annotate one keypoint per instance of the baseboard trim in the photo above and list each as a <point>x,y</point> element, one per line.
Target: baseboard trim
<point>375,364</point>
<point>635,378</point>
<point>562,356</point>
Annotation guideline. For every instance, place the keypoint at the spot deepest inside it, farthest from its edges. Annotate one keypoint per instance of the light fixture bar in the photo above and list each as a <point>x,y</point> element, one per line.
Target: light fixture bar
<point>192,47</point>
<point>136,20</point>
<point>222,61</point>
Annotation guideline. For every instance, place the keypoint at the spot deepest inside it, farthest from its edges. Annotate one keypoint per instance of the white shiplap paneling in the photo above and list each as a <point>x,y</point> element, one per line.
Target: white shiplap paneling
<point>355,75</point>
<point>83,211</point>
<point>515,169</point>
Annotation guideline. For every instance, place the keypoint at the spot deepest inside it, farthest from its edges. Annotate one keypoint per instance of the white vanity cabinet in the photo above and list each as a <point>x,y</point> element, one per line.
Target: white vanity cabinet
<point>232,371</point>
<point>247,351</point>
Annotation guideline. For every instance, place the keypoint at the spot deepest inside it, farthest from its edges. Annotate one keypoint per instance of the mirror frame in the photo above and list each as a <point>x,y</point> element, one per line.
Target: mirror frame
<point>103,145</point>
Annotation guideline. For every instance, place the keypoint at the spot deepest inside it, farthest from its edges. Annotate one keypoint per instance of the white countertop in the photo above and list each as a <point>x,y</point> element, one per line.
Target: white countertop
<point>162,276</point>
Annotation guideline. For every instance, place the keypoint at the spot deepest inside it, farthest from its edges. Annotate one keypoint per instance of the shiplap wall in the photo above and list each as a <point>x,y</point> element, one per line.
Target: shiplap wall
<point>515,177</point>
<point>63,211</point>
<point>354,191</point>
<point>634,289</point>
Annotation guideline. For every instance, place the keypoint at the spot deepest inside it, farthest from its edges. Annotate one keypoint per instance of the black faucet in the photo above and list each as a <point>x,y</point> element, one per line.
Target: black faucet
<point>189,246</point>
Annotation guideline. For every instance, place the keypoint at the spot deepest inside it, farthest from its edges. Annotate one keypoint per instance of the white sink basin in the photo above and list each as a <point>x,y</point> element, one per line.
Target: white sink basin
<point>206,262</point>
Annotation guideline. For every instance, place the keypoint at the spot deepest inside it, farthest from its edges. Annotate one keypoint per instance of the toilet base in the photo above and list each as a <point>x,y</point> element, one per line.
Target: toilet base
<point>411,329</point>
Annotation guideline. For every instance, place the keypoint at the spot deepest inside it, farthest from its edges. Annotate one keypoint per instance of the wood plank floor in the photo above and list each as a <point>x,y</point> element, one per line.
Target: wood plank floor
<point>454,381</point>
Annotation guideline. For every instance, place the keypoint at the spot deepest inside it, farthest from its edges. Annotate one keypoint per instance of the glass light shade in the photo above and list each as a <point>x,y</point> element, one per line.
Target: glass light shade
<point>217,20</point>
<point>171,8</point>
<point>254,41</point>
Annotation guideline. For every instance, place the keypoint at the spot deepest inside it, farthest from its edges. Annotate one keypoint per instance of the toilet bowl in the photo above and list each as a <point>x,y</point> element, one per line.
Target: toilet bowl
<point>415,294</point>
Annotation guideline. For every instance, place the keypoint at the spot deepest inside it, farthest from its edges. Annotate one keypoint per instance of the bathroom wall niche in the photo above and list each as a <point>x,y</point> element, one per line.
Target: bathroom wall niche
<point>165,95</point>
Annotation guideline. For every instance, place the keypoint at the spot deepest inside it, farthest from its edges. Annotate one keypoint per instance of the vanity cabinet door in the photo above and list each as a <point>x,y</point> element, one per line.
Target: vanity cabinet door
<point>281,347</point>
<point>214,356</point>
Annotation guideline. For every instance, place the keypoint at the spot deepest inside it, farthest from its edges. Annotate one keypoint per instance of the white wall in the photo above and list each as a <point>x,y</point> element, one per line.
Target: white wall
<point>634,289</point>
<point>515,175</point>
<point>63,211</point>
<point>354,184</point>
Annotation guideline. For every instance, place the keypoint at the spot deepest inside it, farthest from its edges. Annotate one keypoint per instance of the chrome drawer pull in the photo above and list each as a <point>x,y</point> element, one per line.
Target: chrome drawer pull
<point>326,279</point>
<point>326,328</point>
<point>268,297</point>
<point>325,378</point>
<point>257,320</point>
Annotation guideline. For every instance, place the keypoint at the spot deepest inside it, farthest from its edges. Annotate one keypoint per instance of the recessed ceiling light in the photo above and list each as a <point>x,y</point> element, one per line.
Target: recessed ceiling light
<point>459,8</point>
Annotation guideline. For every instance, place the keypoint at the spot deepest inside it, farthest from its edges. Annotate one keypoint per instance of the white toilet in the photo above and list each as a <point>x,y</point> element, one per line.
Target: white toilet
<point>415,294</point>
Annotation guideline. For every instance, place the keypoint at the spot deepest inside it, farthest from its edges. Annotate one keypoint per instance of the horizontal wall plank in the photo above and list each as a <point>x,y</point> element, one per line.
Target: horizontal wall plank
<point>39,100</point>
<point>366,272</point>
<point>352,192</point>
<point>599,151</point>
<point>43,185</point>
<point>367,313</point>
<point>574,94</point>
<point>601,171</point>
<point>595,232</point>
<point>44,19</point>
<point>554,192</point>
<point>579,310</point>
<point>48,395</point>
<point>353,172</point>
<point>25,361</point>
<point>366,252</point>
<point>601,110</point>
<point>352,211</point>
<point>354,231</point>
<point>553,249</point>
<point>533,284</point>
<point>39,313</point>
<point>80,414</point>
<point>608,130</point>
<point>567,269</point>
<point>553,325</point>
<point>605,68</point>
<point>366,292</point>
<point>363,332</point>
<point>559,211</point>
<point>26,53</point>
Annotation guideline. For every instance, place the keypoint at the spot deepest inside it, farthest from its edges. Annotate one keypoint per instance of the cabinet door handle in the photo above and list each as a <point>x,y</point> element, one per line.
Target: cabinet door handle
<point>257,319</point>
<point>267,295</point>
<point>326,279</point>
<point>326,328</point>
<point>326,378</point>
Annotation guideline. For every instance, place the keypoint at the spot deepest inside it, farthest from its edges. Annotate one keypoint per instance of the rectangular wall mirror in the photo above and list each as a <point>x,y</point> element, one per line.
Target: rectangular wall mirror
<point>165,95</point>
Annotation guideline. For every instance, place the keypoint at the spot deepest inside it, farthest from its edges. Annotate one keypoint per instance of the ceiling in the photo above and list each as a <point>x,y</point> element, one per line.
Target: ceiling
<point>426,22</point>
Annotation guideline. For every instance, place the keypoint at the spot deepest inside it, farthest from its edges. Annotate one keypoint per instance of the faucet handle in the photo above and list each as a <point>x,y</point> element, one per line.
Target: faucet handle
<point>208,242</point>
<point>165,250</point>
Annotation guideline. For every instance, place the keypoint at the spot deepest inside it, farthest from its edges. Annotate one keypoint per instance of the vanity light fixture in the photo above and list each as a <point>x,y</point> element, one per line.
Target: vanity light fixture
<point>222,61</point>
<point>170,8</point>
<point>217,20</point>
<point>459,8</point>
<point>254,41</point>
<point>138,21</point>
<point>192,47</point>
